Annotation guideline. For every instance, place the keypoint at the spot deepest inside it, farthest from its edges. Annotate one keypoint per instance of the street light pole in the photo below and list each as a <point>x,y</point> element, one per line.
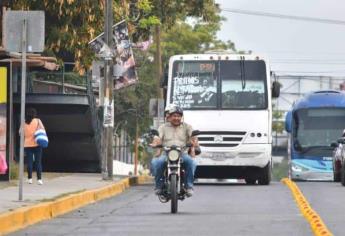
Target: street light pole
<point>22,109</point>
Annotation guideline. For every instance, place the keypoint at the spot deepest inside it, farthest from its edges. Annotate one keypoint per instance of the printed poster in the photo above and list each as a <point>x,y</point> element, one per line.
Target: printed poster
<point>124,64</point>
<point>3,115</point>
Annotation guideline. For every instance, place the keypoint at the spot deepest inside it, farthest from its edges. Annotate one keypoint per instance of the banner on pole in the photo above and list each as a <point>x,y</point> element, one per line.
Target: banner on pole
<point>124,67</point>
<point>124,73</point>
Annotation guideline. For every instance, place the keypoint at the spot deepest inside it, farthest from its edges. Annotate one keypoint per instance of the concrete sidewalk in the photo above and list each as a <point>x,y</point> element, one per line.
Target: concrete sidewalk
<point>56,196</point>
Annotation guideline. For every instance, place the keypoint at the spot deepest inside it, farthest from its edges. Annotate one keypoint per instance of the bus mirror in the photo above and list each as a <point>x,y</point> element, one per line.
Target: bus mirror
<point>334,145</point>
<point>288,121</point>
<point>275,89</point>
<point>297,146</point>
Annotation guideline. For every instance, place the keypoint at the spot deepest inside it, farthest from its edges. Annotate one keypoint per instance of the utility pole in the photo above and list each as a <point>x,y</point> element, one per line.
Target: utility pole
<point>158,60</point>
<point>136,144</point>
<point>108,93</point>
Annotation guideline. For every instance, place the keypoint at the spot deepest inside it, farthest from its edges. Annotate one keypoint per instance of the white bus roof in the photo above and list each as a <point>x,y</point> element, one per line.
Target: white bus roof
<point>217,56</point>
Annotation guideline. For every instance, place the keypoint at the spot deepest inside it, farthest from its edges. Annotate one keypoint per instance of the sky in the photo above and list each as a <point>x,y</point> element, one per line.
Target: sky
<point>292,46</point>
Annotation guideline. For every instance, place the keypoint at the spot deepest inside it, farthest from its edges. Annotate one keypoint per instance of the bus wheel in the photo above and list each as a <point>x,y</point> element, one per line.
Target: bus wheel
<point>250,181</point>
<point>342,174</point>
<point>265,177</point>
<point>336,176</point>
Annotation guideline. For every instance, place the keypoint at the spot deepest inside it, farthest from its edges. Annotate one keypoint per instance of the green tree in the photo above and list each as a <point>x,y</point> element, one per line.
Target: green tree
<point>187,27</point>
<point>71,24</point>
<point>278,124</point>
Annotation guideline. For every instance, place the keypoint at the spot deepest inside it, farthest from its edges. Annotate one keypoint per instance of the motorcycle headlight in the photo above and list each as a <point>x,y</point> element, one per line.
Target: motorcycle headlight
<point>173,155</point>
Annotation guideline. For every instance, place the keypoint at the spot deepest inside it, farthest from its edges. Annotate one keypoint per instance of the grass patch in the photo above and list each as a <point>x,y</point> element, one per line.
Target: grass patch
<point>280,170</point>
<point>14,170</point>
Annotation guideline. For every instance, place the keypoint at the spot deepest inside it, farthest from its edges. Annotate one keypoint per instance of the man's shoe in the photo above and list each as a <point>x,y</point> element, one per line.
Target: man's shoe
<point>158,191</point>
<point>30,181</point>
<point>40,182</point>
<point>189,192</point>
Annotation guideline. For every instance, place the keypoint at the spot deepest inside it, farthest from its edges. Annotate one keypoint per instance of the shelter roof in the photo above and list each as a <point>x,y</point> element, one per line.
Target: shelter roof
<point>32,59</point>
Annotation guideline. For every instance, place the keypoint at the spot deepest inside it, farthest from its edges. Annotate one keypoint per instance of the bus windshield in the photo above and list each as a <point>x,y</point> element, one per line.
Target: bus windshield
<point>235,84</point>
<point>315,129</point>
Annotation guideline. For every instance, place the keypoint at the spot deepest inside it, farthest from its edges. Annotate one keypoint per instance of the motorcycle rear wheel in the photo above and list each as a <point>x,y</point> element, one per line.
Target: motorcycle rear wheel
<point>173,192</point>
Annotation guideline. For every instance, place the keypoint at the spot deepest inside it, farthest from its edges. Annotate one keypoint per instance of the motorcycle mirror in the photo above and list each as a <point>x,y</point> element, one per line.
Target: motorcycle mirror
<point>195,132</point>
<point>154,132</point>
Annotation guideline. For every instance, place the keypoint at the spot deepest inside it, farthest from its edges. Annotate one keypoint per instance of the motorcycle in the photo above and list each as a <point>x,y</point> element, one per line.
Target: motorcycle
<point>174,174</point>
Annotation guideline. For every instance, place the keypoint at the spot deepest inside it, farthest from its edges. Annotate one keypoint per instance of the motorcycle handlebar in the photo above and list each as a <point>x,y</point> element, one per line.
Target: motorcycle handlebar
<point>188,145</point>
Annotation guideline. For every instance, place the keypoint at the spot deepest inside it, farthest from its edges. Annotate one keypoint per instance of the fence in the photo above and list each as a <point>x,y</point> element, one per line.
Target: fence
<point>123,148</point>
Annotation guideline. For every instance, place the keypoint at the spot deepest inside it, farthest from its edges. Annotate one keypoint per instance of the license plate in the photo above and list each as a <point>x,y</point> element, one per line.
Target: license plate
<point>218,156</point>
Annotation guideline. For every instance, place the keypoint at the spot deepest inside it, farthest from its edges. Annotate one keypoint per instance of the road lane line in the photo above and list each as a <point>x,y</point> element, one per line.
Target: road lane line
<point>317,225</point>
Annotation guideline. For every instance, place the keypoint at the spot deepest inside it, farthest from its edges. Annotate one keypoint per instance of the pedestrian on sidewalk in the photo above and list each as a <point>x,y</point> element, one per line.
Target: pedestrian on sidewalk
<point>33,151</point>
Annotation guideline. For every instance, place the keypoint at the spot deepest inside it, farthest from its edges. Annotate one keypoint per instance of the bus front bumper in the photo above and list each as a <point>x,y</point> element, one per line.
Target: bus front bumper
<point>247,155</point>
<point>312,175</point>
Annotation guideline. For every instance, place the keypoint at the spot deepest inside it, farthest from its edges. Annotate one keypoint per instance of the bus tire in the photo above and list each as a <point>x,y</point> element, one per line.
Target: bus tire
<point>336,176</point>
<point>266,175</point>
<point>250,181</point>
<point>342,174</point>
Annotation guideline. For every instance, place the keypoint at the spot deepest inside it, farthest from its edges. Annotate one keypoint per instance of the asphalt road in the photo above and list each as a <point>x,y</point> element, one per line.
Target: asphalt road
<point>328,200</point>
<point>217,209</point>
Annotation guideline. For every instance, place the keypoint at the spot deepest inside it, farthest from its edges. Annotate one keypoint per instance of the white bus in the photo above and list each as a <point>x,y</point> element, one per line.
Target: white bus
<point>227,98</point>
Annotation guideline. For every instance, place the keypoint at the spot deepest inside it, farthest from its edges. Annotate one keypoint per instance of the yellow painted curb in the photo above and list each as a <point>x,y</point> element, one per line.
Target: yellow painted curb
<point>317,225</point>
<point>25,216</point>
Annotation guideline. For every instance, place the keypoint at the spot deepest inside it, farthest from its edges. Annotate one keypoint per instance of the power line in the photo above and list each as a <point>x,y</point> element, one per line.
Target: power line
<point>309,72</point>
<point>310,59</point>
<point>304,52</point>
<point>267,14</point>
<point>307,62</point>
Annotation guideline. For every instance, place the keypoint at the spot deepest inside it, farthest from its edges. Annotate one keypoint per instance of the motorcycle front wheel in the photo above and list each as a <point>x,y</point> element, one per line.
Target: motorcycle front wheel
<point>173,192</point>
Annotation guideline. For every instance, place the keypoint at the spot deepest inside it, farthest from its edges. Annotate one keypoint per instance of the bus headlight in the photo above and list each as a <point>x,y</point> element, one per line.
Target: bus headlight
<point>297,168</point>
<point>173,155</point>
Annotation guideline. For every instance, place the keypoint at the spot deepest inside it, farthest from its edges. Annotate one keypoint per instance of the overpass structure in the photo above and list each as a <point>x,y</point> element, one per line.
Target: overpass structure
<point>294,87</point>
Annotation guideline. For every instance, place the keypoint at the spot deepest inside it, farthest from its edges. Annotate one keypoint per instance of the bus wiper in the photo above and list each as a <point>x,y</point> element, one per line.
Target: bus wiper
<point>306,149</point>
<point>243,73</point>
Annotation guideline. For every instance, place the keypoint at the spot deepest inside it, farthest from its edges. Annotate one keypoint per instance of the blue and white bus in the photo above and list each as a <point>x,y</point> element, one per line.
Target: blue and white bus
<point>314,122</point>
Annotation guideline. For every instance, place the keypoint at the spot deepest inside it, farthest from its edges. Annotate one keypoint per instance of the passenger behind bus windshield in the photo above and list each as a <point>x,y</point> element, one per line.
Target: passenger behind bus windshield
<point>195,84</point>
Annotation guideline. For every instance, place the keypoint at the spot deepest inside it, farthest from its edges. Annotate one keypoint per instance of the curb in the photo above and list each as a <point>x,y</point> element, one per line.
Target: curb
<point>25,216</point>
<point>317,225</point>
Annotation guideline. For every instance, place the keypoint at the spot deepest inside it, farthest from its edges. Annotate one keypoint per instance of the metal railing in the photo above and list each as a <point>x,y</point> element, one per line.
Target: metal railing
<point>123,148</point>
<point>58,82</point>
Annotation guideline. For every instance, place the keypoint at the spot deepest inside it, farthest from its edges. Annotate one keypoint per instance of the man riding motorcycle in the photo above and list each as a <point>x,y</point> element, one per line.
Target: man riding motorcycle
<point>174,132</point>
